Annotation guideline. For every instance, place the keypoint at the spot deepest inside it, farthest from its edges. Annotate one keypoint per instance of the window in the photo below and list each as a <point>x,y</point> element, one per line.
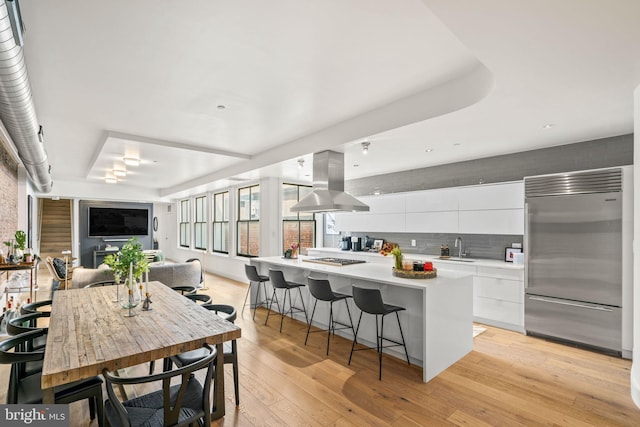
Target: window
<point>200,225</point>
<point>221,222</point>
<point>297,227</point>
<point>184,224</point>
<point>249,221</point>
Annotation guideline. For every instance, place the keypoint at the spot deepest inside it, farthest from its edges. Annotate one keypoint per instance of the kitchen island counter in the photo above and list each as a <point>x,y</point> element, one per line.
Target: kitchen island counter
<point>438,322</point>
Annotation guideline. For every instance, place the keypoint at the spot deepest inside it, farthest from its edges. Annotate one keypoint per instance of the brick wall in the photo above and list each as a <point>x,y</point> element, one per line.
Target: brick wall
<point>8,196</point>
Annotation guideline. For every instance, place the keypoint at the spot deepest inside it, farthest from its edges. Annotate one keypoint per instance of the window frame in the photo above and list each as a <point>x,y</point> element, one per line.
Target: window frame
<point>286,220</point>
<point>223,224</point>
<point>248,222</point>
<point>200,222</point>
<point>184,226</point>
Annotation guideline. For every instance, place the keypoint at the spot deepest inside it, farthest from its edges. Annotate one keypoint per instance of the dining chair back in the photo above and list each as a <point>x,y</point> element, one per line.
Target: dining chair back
<point>34,307</point>
<point>25,388</point>
<point>185,403</point>
<point>199,298</point>
<point>102,283</point>
<point>230,355</point>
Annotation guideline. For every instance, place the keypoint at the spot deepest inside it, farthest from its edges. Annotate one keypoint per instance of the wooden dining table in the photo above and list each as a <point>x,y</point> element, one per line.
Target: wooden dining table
<point>88,332</point>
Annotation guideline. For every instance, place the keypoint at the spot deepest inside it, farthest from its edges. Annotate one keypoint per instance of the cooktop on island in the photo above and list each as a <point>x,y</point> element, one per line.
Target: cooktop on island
<point>339,262</point>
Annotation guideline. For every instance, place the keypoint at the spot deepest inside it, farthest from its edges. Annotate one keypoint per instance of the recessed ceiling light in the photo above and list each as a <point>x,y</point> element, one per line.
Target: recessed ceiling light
<point>547,126</point>
<point>130,161</point>
<point>365,147</point>
<point>110,180</point>
<point>300,163</point>
<point>356,165</point>
<point>120,172</point>
<point>456,144</point>
<point>428,150</point>
<point>221,107</point>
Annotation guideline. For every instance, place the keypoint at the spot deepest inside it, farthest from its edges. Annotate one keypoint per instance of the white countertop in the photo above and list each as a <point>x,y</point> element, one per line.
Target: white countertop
<point>376,272</point>
<point>376,257</point>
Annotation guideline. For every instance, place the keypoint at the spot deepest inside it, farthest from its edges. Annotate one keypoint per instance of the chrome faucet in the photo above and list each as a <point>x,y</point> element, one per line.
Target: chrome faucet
<point>459,248</point>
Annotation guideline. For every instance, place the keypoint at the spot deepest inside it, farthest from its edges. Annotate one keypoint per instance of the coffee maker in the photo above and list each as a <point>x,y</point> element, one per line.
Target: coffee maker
<point>356,244</point>
<point>345,244</point>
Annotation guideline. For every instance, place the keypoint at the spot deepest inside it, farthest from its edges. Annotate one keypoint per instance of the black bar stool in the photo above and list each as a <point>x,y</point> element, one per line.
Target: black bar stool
<point>321,290</point>
<point>278,282</point>
<point>370,301</point>
<point>253,276</point>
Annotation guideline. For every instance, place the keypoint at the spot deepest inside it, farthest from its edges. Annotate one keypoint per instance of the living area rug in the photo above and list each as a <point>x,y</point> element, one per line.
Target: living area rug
<point>477,330</point>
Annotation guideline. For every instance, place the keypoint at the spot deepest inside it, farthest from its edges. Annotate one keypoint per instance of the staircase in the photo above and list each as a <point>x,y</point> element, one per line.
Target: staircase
<point>55,227</point>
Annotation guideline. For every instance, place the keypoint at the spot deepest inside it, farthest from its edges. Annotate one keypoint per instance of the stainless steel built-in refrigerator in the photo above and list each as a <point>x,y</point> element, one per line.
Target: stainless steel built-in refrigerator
<point>573,252</point>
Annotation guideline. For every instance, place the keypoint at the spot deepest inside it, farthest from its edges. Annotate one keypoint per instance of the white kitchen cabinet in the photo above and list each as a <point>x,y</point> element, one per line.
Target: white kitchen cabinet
<point>432,222</point>
<point>441,199</point>
<point>478,209</point>
<point>370,222</point>
<point>508,195</point>
<point>385,203</point>
<point>386,214</point>
<point>498,297</point>
<point>498,221</point>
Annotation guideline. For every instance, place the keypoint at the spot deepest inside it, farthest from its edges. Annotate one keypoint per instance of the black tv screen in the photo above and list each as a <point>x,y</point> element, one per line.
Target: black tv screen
<point>118,222</point>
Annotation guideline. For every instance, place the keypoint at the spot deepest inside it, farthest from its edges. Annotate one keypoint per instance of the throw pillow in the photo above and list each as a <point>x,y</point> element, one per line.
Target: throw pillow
<point>61,269</point>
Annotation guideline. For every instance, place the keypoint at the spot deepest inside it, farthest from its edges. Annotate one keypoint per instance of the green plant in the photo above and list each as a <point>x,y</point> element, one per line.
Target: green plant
<point>130,253</point>
<point>21,240</point>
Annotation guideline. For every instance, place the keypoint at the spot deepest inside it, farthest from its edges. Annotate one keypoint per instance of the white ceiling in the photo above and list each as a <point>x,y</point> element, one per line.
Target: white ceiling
<point>467,79</point>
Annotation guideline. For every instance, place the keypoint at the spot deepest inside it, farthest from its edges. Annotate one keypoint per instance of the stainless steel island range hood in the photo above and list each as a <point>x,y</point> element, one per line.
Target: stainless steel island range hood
<point>328,187</point>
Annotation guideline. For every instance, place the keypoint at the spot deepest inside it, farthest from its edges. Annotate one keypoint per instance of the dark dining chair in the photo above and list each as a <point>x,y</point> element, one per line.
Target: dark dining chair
<point>102,283</point>
<point>199,298</point>
<point>26,389</point>
<point>185,289</point>
<point>27,323</point>
<point>227,312</point>
<point>33,307</point>
<point>186,403</point>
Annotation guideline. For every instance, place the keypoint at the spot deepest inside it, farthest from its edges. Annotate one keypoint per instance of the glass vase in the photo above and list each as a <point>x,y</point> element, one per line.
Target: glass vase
<point>398,262</point>
<point>129,294</point>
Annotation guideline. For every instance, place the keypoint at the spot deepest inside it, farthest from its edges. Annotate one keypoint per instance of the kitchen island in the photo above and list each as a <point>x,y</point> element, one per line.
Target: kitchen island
<point>437,324</point>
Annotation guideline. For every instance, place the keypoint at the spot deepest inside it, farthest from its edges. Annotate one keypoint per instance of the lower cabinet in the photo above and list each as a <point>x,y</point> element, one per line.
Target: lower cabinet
<point>498,298</point>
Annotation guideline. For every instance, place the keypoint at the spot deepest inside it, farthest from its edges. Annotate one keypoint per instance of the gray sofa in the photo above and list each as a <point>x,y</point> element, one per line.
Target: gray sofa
<point>171,274</point>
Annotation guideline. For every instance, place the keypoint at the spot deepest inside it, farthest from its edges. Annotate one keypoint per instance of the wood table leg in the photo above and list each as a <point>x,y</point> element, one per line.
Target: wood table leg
<point>48,396</point>
<point>218,397</point>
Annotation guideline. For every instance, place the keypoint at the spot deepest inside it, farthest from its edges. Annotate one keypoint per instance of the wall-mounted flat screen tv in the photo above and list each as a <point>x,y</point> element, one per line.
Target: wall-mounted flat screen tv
<point>118,222</point>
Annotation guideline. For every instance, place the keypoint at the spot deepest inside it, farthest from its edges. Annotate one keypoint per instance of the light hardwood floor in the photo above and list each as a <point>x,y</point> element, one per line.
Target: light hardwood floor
<point>507,380</point>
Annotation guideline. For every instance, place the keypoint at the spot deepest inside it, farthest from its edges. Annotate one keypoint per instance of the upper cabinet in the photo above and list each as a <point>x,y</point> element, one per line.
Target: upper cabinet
<point>386,214</point>
<point>440,200</point>
<point>495,196</point>
<point>480,209</point>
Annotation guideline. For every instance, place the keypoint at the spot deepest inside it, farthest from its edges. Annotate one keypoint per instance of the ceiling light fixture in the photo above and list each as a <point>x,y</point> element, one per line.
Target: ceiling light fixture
<point>120,172</point>
<point>300,163</point>
<point>130,161</point>
<point>365,147</point>
<point>428,150</point>
<point>110,180</point>
<point>547,126</point>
